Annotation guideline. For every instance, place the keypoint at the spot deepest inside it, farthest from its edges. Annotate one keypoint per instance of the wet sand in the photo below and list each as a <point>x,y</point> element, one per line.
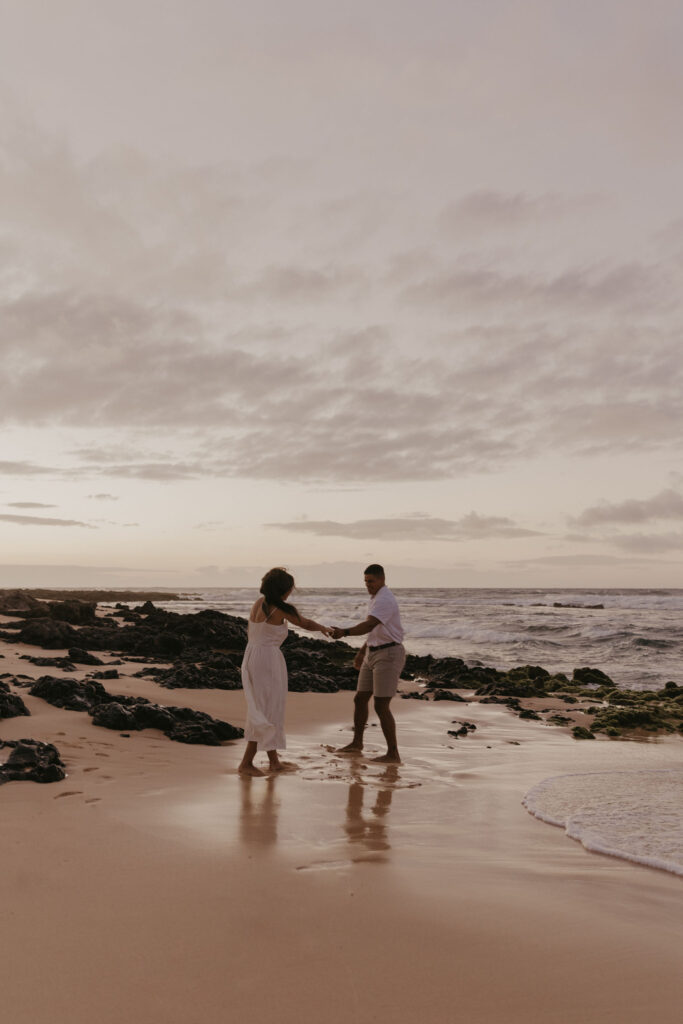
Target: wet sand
<point>156,885</point>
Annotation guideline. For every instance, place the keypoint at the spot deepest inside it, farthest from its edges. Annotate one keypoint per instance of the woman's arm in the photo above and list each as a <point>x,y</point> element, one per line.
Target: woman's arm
<point>304,623</point>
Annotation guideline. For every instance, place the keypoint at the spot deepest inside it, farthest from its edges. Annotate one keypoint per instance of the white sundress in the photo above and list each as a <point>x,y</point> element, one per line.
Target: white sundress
<point>264,681</point>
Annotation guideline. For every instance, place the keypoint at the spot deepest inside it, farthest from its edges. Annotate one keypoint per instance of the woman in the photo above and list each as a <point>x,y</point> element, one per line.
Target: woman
<point>264,672</point>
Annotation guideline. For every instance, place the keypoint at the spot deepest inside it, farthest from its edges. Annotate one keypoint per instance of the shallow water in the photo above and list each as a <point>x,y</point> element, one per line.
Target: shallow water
<point>635,815</point>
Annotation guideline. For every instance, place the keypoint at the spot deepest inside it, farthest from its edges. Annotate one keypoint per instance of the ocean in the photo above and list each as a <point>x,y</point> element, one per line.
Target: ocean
<point>636,637</point>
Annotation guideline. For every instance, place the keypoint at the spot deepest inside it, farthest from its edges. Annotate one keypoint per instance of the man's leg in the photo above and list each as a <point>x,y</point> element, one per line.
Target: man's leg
<point>360,719</point>
<point>388,723</point>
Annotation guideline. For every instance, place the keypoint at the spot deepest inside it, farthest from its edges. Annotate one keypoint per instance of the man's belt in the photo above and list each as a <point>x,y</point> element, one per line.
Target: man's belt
<point>380,647</point>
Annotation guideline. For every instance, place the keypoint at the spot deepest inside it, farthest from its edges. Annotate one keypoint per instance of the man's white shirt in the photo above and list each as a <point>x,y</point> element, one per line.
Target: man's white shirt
<point>384,606</point>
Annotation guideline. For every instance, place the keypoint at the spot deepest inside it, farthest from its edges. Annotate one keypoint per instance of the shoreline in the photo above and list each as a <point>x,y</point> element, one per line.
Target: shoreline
<point>171,884</point>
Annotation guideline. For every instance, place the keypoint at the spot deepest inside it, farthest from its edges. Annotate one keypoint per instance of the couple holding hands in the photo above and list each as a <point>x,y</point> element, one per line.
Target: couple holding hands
<point>264,672</point>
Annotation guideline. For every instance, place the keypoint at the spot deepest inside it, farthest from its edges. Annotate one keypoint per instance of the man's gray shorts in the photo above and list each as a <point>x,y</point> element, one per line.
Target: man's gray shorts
<point>380,671</point>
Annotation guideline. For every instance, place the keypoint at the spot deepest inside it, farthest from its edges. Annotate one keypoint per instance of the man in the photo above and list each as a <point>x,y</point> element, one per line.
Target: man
<point>380,662</point>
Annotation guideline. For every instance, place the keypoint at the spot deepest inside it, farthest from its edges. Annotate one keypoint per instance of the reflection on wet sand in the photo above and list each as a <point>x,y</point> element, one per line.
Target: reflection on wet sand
<point>258,812</point>
<point>370,829</point>
<point>364,822</point>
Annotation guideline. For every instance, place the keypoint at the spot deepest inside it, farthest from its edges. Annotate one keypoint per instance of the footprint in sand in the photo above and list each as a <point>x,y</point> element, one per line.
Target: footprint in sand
<point>69,792</point>
<point>98,753</point>
<point>95,768</point>
<point>93,800</point>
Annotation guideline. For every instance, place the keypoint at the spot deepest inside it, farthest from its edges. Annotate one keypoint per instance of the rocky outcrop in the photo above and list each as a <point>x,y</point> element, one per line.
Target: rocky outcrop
<point>126,713</point>
<point>46,633</point>
<point>11,704</point>
<point>183,725</point>
<point>21,604</point>
<point>195,677</point>
<point>42,662</point>
<point>80,657</point>
<point>31,760</point>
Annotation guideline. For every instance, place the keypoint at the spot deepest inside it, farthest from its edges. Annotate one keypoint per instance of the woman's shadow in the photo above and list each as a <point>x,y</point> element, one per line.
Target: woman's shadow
<point>369,827</point>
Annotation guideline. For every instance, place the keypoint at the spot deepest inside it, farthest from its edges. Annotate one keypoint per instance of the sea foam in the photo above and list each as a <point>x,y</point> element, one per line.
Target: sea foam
<point>635,815</point>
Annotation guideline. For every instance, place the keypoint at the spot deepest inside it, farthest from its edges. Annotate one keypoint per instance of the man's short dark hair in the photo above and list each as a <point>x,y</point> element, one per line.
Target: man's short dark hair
<point>374,570</point>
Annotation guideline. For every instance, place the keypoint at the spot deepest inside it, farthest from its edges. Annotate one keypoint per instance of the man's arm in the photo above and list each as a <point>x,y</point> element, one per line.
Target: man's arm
<point>360,629</point>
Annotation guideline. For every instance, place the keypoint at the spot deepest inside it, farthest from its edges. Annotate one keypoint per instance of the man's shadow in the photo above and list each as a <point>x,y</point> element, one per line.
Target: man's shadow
<point>370,828</point>
<point>258,812</point>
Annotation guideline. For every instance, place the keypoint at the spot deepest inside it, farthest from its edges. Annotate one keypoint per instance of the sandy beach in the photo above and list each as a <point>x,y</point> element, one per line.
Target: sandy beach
<point>154,884</point>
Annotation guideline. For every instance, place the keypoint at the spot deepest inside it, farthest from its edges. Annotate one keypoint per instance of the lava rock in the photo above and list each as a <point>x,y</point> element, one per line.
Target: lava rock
<point>31,760</point>
<point>591,676</point>
<point>11,704</point>
<point>579,732</point>
<point>47,633</point>
<point>21,604</point>
<point>42,662</point>
<point>194,677</point>
<point>73,694</point>
<point>184,725</point>
<point>78,613</point>
<point>81,657</point>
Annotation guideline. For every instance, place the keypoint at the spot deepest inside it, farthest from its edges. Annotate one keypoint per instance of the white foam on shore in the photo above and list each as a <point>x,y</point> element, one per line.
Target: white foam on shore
<point>635,815</point>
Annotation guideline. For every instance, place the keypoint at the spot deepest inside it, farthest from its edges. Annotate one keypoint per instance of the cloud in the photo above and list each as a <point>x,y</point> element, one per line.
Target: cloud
<point>581,560</point>
<point>626,288</point>
<point>103,497</point>
<point>649,543</point>
<point>303,284</point>
<point>23,468</point>
<point>414,527</point>
<point>489,210</point>
<point>668,504</point>
<point>152,300</point>
<point>160,471</point>
<point>28,504</point>
<point>144,366</point>
<point>361,407</point>
<point>43,521</point>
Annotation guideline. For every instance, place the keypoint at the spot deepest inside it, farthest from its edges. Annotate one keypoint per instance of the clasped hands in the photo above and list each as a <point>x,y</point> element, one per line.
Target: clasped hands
<point>335,632</point>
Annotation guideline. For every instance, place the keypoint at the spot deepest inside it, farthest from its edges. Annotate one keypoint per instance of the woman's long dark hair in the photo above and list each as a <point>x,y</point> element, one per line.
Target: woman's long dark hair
<point>274,585</point>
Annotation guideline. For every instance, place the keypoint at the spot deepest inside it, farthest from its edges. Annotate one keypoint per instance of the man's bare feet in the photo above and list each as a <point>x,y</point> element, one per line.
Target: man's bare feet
<point>387,759</point>
<point>249,769</point>
<point>350,748</point>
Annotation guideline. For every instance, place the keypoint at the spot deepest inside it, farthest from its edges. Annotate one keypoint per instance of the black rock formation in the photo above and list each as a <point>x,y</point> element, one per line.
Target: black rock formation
<point>11,704</point>
<point>125,713</point>
<point>31,760</point>
<point>81,657</point>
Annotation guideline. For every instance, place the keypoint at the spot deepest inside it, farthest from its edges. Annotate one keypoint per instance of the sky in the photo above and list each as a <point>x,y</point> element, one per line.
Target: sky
<point>317,285</point>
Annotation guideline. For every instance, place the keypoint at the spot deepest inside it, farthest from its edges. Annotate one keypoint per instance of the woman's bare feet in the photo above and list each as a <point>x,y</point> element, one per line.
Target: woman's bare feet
<point>249,769</point>
<point>282,766</point>
<point>387,759</point>
<point>350,748</point>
